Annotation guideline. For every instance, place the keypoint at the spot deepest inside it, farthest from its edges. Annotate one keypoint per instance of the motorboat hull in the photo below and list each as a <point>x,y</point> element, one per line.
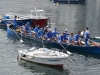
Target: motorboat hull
<point>33,22</point>
<point>56,59</point>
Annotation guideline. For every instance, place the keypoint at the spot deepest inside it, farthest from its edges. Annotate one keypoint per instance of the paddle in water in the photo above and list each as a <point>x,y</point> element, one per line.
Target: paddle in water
<point>65,49</point>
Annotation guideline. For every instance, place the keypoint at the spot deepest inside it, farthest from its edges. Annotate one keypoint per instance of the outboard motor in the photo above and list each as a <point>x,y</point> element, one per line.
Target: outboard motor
<point>6,17</point>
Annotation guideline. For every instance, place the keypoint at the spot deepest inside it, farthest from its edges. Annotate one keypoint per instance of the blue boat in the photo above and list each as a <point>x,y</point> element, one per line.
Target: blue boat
<point>69,1</point>
<point>82,48</point>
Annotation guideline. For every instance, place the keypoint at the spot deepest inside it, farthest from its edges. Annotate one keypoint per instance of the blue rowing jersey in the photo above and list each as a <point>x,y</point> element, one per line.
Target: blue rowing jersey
<point>40,33</point>
<point>36,29</point>
<point>14,23</point>
<point>26,28</point>
<point>54,33</point>
<point>66,36</point>
<point>49,35</point>
<point>76,37</point>
<point>29,30</point>
<point>60,38</point>
<point>70,39</point>
<point>86,37</point>
<point>28,24</point>
<point>86,34</point>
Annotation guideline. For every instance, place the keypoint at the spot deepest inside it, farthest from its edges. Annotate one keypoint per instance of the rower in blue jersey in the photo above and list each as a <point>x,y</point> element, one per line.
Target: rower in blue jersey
<point>27,27</point>
<point>36,30</point>
<point>86,36</point>
<point>66,35</point>
<point>49,35</point>
<point>77,38</point>
<point>46,29</point>
<point>28,24</point>
<point>29,31</point>
<point>55,34</point>
<point>23,30</point>
<point>61,38</point>
<point>71,39</point>
<point>15,23</point>
<point>41,32</point>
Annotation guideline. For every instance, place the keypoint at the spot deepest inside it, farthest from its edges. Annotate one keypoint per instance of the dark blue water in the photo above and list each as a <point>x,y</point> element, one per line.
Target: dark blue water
<point>73,17</point>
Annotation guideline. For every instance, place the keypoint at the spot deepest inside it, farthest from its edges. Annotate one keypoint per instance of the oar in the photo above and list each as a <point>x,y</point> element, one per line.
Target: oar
<point>21,37</point>
<point>65,48</point>
<point>17,35</point>
<point>42,42</point>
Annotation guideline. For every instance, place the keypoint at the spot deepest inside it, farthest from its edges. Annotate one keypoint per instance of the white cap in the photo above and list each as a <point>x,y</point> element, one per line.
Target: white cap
<point>66,30</point>
<point>49,29</point>
<point>82,33</point>
<point>47,26</point>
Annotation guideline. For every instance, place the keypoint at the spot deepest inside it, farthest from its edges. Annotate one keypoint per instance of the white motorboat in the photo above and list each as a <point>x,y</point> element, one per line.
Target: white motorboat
<point>43,56</point>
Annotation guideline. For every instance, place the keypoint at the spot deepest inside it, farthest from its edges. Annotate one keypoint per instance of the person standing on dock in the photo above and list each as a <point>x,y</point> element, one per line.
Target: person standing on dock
<point>15,23</point>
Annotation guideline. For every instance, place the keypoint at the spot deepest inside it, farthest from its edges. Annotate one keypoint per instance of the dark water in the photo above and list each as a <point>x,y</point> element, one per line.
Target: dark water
<point>64,16</point>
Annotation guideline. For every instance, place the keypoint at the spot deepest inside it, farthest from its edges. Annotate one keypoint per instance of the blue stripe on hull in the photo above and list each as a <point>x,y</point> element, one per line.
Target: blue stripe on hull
<point>19,22</point>
<point>90,49</point>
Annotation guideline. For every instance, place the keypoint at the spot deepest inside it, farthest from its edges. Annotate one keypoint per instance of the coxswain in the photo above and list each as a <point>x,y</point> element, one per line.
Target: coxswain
<point>86,36</point>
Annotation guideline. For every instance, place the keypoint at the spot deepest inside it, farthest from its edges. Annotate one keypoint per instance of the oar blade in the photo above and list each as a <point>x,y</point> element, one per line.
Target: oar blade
<point>21,40</point>
<point>69,52</point>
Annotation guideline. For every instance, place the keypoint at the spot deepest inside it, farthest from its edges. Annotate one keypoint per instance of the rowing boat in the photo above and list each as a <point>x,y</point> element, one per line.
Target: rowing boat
<point>82,48</point>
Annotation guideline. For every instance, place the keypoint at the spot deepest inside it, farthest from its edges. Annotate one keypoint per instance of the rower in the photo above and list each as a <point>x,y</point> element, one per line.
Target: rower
<point>49,35</point>
<point>23,30</point>
<point>27,27</point>
<point>77,38</point>
<point>71,39</point>
<point>41,33</point>
<point>61,38</point>
<point>55,34</point>
<point>66,35</point>
<point>46,29</point>
<point>36,30</point>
